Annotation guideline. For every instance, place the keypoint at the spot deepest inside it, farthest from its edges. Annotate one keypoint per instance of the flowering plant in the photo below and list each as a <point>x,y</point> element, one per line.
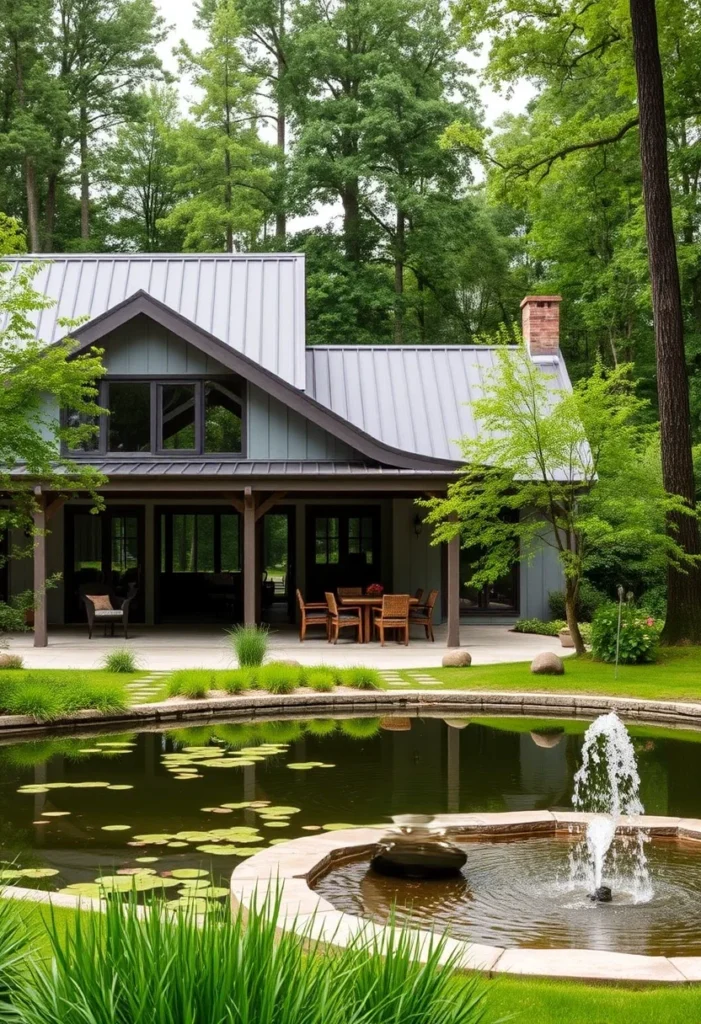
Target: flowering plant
<point>375,590</point>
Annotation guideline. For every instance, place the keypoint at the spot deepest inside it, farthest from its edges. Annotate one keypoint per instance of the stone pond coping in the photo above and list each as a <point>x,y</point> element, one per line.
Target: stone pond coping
<point>367,702</point>
<point>283,876</point>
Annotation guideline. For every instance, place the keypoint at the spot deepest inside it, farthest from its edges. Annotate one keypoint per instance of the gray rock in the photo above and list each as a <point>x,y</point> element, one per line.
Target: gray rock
<point>547,664</point>
<point>457,659</point>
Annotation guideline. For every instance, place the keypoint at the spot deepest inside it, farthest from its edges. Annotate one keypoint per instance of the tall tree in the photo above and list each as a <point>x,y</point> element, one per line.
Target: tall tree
<point>222,169</point>
<point>683,622</point>
<point>137,174</point>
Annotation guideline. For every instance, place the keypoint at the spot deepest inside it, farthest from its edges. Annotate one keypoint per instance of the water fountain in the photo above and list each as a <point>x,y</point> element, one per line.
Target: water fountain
<point>608,784</point>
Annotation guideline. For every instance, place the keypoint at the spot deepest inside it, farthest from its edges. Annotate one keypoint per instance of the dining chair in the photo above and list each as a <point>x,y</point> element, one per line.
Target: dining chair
<point>347,616</point>
<point>312,613</point>
<point>394,614</point>
<point>419,593</point>
<point>422,615</point>
<point>349,591</point>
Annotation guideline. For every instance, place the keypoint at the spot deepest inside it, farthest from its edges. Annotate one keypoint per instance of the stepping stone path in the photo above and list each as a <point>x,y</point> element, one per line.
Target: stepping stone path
<point>143,689</point>
<point>392,678</point>
<point>423,679</point>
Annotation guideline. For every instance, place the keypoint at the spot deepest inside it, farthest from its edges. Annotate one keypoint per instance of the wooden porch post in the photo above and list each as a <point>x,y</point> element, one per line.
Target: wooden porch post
<point>41,637</point>
<point>453,612</point>
<point>249,558</point>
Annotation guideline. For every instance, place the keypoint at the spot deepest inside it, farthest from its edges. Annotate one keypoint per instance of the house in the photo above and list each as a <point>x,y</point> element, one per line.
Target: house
<point>242,464</point>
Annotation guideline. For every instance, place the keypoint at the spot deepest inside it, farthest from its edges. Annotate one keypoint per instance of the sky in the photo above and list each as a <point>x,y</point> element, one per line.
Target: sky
<point>179,15</point>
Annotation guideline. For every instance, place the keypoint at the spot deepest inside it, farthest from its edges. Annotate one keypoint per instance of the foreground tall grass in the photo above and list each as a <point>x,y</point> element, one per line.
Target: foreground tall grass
<point>50,695</point>
<point>115,968</point>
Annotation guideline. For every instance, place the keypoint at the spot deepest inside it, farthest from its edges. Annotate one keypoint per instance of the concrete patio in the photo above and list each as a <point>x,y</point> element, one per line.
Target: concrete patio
<point>168,648</point>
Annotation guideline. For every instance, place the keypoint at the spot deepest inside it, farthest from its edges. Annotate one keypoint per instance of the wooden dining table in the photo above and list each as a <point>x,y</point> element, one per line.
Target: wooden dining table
<point>366,605</point>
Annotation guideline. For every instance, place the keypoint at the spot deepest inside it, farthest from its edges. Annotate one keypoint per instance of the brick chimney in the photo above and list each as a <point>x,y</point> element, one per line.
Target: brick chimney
<point>541,324</point>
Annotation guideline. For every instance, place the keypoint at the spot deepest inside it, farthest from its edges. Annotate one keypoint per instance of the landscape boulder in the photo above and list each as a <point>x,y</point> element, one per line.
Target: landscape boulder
<point>457,659</point>
<point>547,664</point>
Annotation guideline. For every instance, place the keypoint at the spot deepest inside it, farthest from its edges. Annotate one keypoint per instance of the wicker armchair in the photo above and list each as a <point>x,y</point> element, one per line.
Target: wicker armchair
<point>104,607</point>
<point>418,594</point>
<point>350,616</point>
<point>349,591</point>
<point>314,613</point>
<point>394,614</point>
<point>422,615</point>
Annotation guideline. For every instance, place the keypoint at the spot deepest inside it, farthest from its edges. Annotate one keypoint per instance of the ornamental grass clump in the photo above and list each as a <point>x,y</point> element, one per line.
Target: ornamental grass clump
<point>194,684</point>
<point>169,968</point>
<point>277,678</point>
<point>322,680</point>
<point>363,678</point>
<point>47,696</point>
<point>249,644</point>
<point>237,681</point>
<point>121,660</point>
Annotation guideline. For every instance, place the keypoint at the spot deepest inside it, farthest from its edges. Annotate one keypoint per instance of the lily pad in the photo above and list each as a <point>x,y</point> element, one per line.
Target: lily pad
<point>155,837</point>
<point>119,786</point>
<point>116,828</point>
<point>90,890</point>
<point>190,873</point>
<point>312,828</point>
<point>146,860</point>
<point>276,824</point>
<point>194,883</point>
<point>54,814</point>
<point>90,785</point>
<point>190,903</point>
<point>177,845</point>
<point>237,807</point>
<point>278,842</point>
<point>249,851</point>
<point>33,789</point>
<point>225,850</point>
<point>282,810</point>
<point>213,892</point>
<point>40,872</point>
<point>336,826</point>
<point>10,874</point>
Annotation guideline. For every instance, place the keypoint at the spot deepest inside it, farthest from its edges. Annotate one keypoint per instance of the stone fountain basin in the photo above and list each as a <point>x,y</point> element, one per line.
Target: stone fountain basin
<point>289,871</point>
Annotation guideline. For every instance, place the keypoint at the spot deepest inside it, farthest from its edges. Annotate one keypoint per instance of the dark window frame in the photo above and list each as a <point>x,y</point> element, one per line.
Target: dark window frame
<point>235,385</point>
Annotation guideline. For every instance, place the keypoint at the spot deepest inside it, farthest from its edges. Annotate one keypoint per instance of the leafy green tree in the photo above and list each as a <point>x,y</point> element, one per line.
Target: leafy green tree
<point>222,171</point>
<point>575,471</point>
<point>137,174</point>
<point>39,380</point>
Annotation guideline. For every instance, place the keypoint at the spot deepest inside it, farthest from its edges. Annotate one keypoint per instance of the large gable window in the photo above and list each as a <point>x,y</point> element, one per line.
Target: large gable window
<point>167,417</point>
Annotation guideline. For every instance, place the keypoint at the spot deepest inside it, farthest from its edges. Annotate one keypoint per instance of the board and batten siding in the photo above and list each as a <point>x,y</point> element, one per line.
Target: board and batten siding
<point>143,347</point>
<point>276,432</point>
<point>416,562</point>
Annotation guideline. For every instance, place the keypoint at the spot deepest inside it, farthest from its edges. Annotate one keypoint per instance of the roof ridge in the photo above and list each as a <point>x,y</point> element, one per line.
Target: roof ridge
<point>86,256</point>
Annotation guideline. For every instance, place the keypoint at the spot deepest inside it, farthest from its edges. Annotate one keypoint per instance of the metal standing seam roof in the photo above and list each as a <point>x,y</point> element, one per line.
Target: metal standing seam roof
<point>254,302</point>
<point>416,398</point>
<point>245,468</point>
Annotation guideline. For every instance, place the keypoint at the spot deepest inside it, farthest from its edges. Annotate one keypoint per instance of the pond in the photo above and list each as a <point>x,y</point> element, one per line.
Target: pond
<point>178,809</point>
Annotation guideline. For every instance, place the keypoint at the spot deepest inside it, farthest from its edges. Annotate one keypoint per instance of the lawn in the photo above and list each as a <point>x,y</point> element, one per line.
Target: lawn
<point>677,676</point>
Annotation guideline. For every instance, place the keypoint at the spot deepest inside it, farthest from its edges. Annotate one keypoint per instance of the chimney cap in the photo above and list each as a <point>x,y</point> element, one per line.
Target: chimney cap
<point>540,298</point>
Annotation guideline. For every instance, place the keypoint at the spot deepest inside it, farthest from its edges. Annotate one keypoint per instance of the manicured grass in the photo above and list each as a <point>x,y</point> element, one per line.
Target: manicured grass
<point>677,676</point>
<point>37,919</point>
<point>556,1002</point>
<point>48,695</point>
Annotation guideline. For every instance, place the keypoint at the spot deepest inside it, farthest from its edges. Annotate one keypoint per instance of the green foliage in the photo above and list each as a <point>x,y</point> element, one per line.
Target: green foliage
<point>47,695</point>
<point>362,678</point>
<point>234,682</point>
<point>588,600</point>
<point>639,637</point>
<point>194,684</point>
<point>575,471</point>
<point>161,969</point>
<point>277,678</point>
<point>121,660</point>
<point>360,728</point>
<point>249,644</point>
<point>321,680</point>
<point>540,627</point>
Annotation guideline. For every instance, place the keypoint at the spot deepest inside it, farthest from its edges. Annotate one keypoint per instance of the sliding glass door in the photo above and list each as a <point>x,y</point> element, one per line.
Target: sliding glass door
<point>107,548</point>
<point>199,571</point>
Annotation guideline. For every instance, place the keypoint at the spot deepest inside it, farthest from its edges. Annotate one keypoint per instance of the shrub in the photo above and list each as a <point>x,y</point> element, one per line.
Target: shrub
<point>640,635</point>
<point>11,661</point>
<point>277,678</point>
<point>194,684</point>
<point>249,644</point>
<point>589,600</point>
<point>165,968</point>
<point>538,626</point>
<point>321,680</point>
<point>363,678</point>
<point>50,695</point>
<point>121,660</point>
<point>236,682</point>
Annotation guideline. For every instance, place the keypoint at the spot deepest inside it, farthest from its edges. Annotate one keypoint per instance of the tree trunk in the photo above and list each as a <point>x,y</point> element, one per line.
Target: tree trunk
<point>571,591</point>
<point>351,220</point>
<point>84,176</point>
<point>684,588</point>
<point>399,279</point>
<point>50,213</point>
<point>30,181</point>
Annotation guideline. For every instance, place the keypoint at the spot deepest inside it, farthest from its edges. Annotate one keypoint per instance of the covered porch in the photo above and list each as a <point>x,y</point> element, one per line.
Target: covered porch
<point>199,555</point>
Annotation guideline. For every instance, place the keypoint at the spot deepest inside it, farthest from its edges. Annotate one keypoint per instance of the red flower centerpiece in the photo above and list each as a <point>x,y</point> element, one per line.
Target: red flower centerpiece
<point>375,590</point>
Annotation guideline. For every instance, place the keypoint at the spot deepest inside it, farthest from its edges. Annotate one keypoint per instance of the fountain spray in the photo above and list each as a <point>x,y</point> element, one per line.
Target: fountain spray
<point>608,784</point>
